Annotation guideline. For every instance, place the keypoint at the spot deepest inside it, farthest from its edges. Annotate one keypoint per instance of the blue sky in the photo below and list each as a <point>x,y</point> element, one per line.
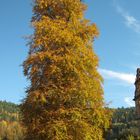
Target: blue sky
<point>118,47</point>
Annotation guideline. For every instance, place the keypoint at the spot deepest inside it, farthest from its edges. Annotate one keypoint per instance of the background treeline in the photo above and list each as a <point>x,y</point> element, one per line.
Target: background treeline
<point>124,123</point>
<point>10,128</point>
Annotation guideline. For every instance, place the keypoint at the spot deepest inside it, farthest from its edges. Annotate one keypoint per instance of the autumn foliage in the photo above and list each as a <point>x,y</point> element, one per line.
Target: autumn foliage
<point>65,98</point>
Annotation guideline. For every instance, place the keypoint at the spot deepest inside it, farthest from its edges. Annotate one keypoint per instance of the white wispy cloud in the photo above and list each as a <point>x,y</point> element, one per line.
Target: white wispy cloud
<point>129,20</point>
<point>125,77</point>
<point>129,101</point>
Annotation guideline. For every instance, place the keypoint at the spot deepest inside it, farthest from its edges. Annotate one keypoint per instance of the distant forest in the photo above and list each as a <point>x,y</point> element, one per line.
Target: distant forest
<point>10,126</point>
<point>124,123</point>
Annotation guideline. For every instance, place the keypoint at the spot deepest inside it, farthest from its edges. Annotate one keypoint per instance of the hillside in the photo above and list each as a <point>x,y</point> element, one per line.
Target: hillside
<point>9,111</point>
<point>10,128</point>
<point>124,123</point>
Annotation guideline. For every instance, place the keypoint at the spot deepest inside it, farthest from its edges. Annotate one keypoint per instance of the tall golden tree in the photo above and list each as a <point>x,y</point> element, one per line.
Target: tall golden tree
<point>65,97</point>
